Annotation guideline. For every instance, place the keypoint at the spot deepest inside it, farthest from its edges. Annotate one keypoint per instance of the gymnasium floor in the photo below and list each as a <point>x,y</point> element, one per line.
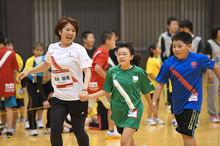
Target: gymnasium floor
<point>207,134</point>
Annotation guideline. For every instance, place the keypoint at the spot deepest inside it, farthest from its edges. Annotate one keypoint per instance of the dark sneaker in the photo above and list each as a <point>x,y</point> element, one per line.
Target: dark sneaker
<point>9,134</point>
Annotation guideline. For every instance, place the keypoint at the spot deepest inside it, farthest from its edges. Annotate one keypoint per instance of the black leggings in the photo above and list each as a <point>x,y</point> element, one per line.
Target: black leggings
<point>78,113</point>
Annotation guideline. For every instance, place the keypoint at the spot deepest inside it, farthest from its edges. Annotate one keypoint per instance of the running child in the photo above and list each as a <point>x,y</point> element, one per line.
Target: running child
<point>185,72</point>
<point>124,82</point>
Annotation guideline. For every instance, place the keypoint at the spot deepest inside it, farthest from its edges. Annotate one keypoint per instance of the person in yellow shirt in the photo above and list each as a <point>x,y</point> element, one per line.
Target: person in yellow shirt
<point>152,68</point>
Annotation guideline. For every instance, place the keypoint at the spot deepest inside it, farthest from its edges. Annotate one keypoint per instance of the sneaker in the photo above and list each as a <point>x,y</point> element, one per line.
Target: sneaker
<point>214,119</point>
<point>22,120</point>
<point>159,121</point>
<point>47,131</point>
<point>112,135</point>
<point>174,122</point>
<point>33,133</point>
<point>9,134</point>
<point>4,131</point>
<point>66,130</point>
<point>40,124</point>
<point>13,130</point>
<point>1,127</point>
<point>150,121</point>
<point>18,120</point>
<point>27,125</point>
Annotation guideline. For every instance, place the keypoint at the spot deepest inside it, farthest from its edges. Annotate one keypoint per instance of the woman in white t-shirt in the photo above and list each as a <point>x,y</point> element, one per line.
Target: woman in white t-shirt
<point>67,60</point>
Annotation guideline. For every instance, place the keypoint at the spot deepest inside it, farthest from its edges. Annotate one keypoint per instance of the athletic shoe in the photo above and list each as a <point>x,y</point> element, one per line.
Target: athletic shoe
<point>214,119</point>
<point>174,122</point>
<point>66,130</point>
<point>159,121</point>
<point>18,120</point>
<point>33,133</point>
<point>47,131</point>
<point>4,131</point>
<point>1,127</point>
<point>112,135</point>
<point>27,125</point>
<point>22,120</point>
<point>150,121</point>
<point>9,134</point>
<point>13,130</point>
<point>40,124</point>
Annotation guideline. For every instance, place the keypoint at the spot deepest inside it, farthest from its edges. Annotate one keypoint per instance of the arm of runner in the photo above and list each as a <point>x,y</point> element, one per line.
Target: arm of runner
<point>151,76</point>
<point>153,108</point>
<point>84,91</point>
<point>216,70</point>
<point>40,68</point>
<point>15,75</point>
<point>94,95</point>
<point>98,69</point>
<point>157,91</point>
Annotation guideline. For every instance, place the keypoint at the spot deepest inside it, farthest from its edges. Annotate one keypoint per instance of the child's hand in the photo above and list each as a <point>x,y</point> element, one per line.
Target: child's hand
<point>83,96</point>
<point>22,75</point>
<point>46,104</point>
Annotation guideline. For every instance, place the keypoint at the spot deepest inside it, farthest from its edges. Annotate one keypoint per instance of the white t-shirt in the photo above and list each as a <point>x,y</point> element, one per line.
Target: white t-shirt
<point>67,64</point>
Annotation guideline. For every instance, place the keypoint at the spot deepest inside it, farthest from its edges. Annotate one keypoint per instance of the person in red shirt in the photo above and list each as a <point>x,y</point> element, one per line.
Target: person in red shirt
<point>8,72</point>
<point>98,70</point>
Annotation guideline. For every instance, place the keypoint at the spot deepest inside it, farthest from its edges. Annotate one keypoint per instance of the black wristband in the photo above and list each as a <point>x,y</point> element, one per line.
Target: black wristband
<point>84,90</point>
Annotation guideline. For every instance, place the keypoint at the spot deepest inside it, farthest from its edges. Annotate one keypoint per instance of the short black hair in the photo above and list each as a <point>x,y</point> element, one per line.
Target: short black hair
<point>9,41</point>
<point>182,36</point>
<point>38,44</point>
<point>187,24</point>
<point>115,31</point>
<point>215,30</point>
<point>85,34</point>
<point>169,20</point>
<point>152,47</point>
<point>2,37</point>
<point>106,35</point>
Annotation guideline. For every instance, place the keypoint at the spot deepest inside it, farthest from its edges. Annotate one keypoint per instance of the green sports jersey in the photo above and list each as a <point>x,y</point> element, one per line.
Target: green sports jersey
<point>125,87</point>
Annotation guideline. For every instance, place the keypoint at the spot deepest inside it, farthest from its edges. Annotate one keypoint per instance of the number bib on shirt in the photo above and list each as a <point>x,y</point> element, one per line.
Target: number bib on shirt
<point>63,80</point>
<point>193,97</point>
<point>132,113</point>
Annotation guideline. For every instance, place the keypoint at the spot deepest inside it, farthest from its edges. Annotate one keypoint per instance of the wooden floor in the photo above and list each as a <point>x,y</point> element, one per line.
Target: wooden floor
<point>207,134</point>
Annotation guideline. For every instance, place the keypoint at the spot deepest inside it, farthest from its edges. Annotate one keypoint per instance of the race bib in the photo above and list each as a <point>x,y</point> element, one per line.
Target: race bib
<point>93,86</point>
<point>193,97</point>
<point>63,80</point>
<point>132,113</point>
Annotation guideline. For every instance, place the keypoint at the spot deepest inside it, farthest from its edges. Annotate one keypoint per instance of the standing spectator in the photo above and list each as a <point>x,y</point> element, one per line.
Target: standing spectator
<point>187,26</point>
<point>19,90</point>
<point>88,42</point>
<point>34,86</point>
<point>98,70</point>
<point>212,50</point>
<point>165,42</point>
<point>8,73</point>
<point>152,69</point>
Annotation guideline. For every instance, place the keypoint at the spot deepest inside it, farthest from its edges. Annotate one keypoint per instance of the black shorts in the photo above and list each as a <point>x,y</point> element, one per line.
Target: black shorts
<point>187,122</point>
<point>121,129</point>
<point>20,103</point>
